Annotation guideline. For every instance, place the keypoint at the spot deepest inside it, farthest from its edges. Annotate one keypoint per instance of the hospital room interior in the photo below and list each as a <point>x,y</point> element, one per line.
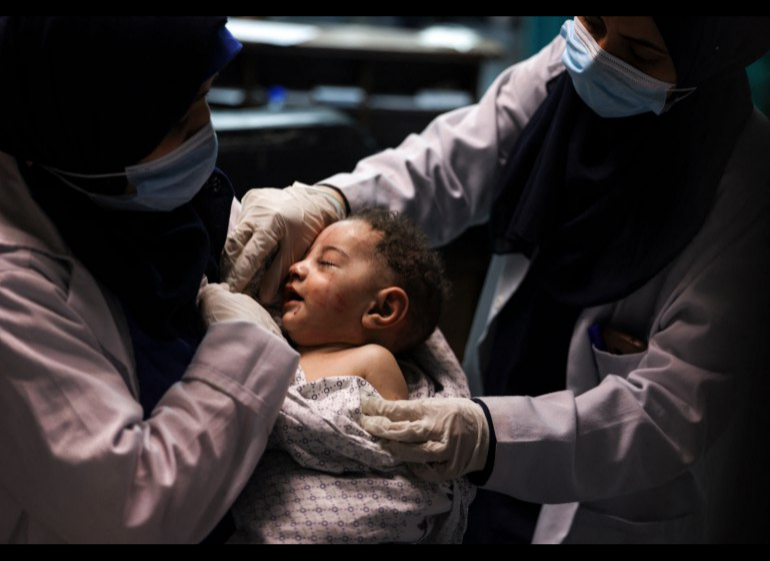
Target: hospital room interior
<point>503,196</point>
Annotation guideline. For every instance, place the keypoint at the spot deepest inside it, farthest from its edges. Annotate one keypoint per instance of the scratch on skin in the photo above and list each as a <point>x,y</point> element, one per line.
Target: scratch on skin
<point>340,304</point>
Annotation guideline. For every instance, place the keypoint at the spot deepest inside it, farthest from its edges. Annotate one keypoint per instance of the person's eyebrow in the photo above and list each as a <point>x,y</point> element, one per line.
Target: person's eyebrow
<point>646,43</point>
<point>203,94</point>
<point>335,249</point>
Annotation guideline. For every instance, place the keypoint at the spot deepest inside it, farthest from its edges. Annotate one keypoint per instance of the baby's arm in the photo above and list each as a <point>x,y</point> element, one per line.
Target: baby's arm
<point>383,372</point>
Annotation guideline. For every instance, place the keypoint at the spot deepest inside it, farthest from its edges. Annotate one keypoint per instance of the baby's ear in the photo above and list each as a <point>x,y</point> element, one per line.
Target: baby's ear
<point>388,310</point>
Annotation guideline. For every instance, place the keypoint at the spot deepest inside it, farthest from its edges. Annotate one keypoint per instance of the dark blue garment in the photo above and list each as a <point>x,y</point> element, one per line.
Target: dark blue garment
<point>159,364</point>
<point>161,361</point>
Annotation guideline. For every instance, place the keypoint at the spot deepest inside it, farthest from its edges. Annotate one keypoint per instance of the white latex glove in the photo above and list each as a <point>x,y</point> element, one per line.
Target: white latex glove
<point>443,438</point>
<point>218,305</point>
<point>280,223</point>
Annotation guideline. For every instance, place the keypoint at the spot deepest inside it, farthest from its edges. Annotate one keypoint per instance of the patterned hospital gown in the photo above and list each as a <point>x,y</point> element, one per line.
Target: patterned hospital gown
<point>325,480</point>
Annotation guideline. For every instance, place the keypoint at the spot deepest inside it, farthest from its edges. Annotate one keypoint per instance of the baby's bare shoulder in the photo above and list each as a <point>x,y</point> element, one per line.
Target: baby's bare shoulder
<point>375,356</point>
<point>382,371</point>
<point>373,363</point>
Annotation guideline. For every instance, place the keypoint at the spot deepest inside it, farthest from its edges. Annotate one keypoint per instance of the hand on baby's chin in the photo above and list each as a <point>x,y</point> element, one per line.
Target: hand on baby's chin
<point>275,309</point>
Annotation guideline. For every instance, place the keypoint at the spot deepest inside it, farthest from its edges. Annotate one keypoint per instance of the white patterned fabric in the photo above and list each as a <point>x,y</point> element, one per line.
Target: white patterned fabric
<point>325,480</point>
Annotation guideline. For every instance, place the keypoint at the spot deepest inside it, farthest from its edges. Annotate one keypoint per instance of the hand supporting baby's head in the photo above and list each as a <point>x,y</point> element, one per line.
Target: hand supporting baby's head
<point>371,279</point>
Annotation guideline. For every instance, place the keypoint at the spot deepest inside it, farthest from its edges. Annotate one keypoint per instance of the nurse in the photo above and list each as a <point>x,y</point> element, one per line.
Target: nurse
<point>626,178</point>
<point>123,417</point>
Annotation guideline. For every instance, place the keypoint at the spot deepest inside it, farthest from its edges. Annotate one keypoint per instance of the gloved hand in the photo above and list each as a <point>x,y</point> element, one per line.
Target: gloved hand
<point>444,438</point>
<point>284,223</point>
<point>218,305</point>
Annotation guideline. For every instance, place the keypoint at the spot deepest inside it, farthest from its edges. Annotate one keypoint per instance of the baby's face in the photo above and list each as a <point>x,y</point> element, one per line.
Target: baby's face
<point>334,287</point>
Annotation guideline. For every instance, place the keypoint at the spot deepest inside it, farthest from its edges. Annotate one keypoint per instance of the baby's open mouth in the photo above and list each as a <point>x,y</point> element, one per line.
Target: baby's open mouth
<point>290,295</point>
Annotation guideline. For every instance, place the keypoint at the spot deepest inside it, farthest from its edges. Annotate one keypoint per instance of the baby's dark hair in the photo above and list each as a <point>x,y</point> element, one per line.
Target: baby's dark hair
<point>419,271</point>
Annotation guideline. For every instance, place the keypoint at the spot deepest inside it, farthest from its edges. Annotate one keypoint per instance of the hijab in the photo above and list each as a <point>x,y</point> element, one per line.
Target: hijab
<point>602,206</point>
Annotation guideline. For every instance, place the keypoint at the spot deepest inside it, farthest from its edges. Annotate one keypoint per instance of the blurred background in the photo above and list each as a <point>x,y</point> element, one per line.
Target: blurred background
<point>312,95</point>
<point>391,74</point>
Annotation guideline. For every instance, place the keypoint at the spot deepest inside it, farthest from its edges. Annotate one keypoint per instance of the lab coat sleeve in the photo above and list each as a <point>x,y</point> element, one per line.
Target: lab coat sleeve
<point>77,456</point>
<point>637,432</point>
<point>445,178</point>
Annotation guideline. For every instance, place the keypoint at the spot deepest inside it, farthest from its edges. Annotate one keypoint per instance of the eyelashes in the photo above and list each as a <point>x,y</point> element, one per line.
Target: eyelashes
<point>642,59</point>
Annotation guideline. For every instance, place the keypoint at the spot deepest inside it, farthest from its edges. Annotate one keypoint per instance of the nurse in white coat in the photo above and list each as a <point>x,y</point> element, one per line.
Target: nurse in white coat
<point>626,177</point>
<point>122,417</point>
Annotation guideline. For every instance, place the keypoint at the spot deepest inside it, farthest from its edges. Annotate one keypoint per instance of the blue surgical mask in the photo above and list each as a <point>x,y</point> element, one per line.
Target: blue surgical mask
<point>164,184</point>
<point>609,86</point>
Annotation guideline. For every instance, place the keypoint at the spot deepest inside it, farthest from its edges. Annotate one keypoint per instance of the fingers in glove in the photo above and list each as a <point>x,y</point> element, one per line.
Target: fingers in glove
<point>275,277</point>
<point>208,289</point>
<point>234,246</point>
<point>252,259</point>
<point>237,240</point>
<point>413,432</point>
<point>424,453</point>
<point>206,297</point>
<point>393,410</point>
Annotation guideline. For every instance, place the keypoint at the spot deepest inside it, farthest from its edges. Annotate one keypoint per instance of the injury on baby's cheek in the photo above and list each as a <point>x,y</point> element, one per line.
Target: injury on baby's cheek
<point>340,303</point>
<point>332,300</point>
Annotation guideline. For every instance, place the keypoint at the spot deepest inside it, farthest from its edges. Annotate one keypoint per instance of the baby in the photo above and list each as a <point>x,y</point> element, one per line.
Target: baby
<point>370,288</point>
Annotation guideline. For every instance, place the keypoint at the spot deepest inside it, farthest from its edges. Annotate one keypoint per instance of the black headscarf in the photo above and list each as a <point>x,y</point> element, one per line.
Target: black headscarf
<point>95,94</point>
<point>604,205</point>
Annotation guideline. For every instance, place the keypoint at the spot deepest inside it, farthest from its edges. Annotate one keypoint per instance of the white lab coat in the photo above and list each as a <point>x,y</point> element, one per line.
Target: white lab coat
<point>77,462</point>
<point>634,450</point>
